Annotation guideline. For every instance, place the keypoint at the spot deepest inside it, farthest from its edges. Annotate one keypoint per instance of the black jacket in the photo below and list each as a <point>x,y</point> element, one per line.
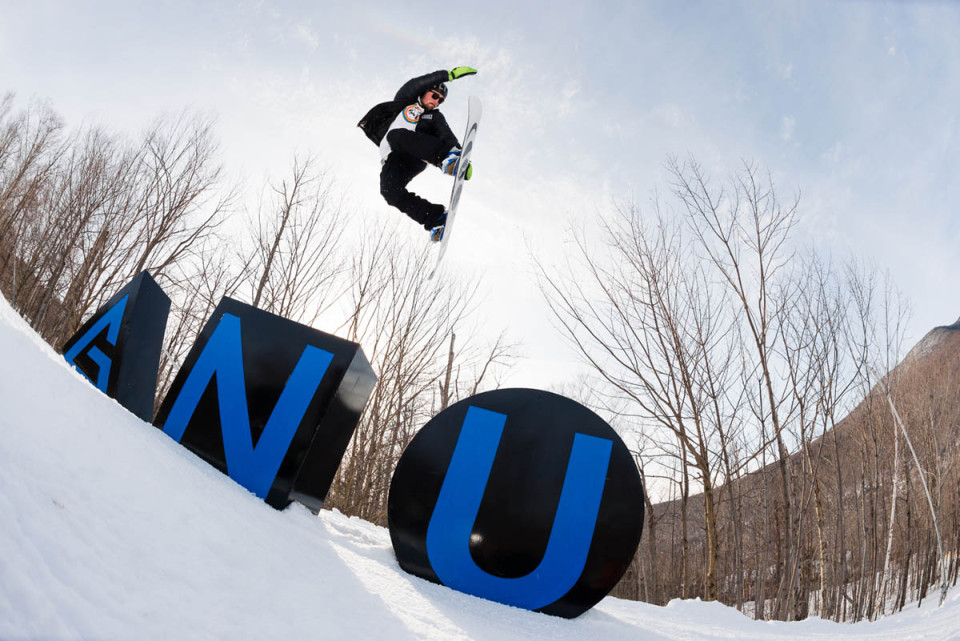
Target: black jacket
<point>377,121</point>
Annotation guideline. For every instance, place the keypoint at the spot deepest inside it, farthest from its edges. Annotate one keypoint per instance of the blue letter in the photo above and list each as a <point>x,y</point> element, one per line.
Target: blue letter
<point>255,468</point>
<point>111,320</point>
<point>450,528</point>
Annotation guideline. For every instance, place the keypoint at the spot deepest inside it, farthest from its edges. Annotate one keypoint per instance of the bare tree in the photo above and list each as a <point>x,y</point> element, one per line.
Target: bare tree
<point>31,145</point>
<point>296,264</point>
<point>651,327</point>
<point>81,214</point>
<point>744,234</point>
<point>169,203</point>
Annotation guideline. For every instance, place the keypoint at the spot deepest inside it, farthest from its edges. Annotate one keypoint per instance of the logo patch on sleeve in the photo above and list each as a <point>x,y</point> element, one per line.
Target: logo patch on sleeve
<point>412,113</point>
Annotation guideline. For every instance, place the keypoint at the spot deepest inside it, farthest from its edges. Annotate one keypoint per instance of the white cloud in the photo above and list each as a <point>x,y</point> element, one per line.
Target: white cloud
<point>569,92</point>
<point>673,115</point>
<point>788,127</point>
<point>782,70</point>
<point>835,154</point>
<point>304,33</point>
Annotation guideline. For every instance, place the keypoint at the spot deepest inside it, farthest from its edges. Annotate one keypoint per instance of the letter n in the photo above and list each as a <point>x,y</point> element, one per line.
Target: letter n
<point>255,399</point>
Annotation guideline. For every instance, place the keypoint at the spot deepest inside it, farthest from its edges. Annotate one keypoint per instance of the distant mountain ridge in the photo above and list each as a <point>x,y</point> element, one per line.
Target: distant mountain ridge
<point>932,340</point>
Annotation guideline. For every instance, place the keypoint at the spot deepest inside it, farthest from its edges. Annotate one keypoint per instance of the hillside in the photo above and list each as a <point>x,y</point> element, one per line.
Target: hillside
<point>858,456</point>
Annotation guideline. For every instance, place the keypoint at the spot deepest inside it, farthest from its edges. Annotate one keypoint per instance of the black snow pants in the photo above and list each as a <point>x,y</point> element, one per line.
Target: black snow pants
<point>411,151</point>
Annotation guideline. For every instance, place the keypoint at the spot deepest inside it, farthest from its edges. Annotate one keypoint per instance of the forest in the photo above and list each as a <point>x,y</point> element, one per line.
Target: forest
<point>797,461</point>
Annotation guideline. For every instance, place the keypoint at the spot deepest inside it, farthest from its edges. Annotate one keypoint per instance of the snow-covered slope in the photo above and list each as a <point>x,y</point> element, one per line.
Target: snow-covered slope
<point>110,530</point>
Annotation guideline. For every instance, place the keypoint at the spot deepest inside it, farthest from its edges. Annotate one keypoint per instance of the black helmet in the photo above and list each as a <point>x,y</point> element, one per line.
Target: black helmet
<point>440,89</point>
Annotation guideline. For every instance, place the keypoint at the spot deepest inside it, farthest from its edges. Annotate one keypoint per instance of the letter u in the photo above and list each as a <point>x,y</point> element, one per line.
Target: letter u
<point>451,525</point>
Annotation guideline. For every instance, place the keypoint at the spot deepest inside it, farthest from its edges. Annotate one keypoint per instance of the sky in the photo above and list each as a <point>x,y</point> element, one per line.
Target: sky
<point>111,530</point>
<point>851,104</point>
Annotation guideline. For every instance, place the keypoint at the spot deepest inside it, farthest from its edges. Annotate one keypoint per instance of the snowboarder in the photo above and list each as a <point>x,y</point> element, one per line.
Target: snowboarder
<point>411,132</point>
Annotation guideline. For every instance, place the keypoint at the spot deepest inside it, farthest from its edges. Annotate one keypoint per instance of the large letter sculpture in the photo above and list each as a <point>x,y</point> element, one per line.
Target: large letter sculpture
<point>269,402</point>
<point>118,348</point>
<point>519,496</point>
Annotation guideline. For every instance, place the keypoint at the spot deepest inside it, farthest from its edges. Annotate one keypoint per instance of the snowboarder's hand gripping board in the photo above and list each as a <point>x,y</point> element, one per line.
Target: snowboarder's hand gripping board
<point>461,173</point>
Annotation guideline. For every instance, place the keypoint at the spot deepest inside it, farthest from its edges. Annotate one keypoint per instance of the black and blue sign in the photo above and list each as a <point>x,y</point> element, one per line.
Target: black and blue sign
<point>270,402</point>
<point>118,348</point>
<point>518,496</point>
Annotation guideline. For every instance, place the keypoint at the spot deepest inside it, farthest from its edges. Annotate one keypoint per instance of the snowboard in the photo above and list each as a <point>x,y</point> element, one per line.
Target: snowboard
<point>474,111</point>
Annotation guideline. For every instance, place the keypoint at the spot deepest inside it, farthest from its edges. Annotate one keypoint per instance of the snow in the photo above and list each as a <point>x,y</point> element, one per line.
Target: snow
<point>111,530</point>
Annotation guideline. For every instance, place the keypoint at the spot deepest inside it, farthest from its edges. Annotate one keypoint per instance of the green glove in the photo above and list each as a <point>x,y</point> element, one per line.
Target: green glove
<point>469,171</point>
<point>459,72</point>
